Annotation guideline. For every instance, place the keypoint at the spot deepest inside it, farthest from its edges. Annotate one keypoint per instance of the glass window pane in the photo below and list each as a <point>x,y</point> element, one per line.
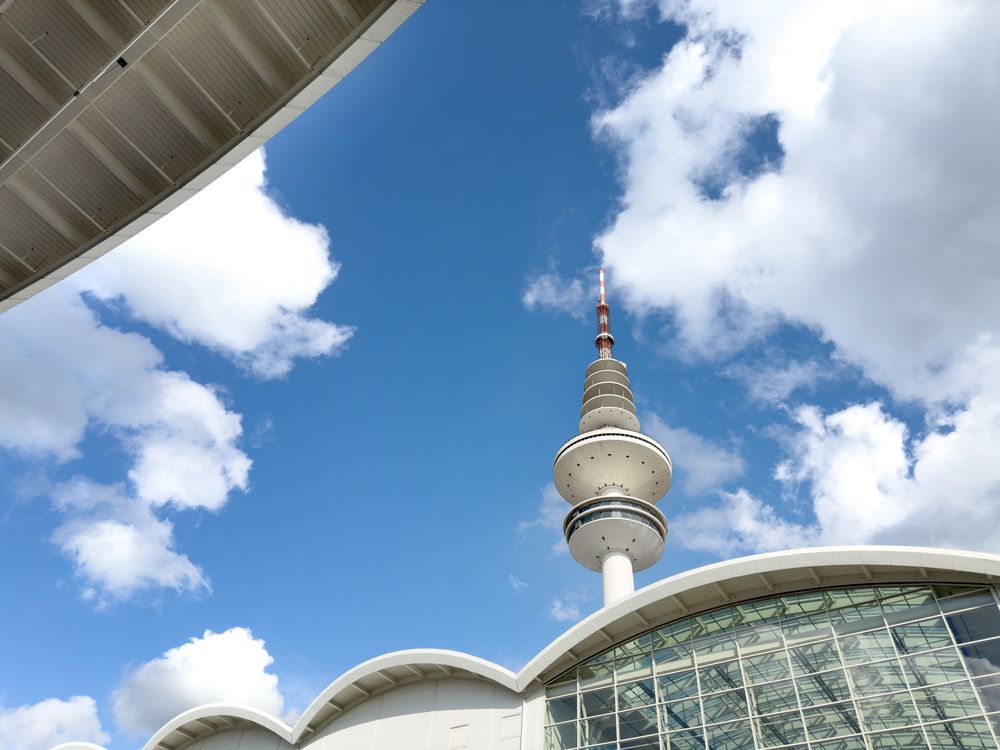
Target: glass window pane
<point>712,623</point>
<point>841,743</point>
<point>725,676</point>
<point>642,743</point>
<point>952,701</point>
<point>872,679</point>
<point>678,685</point>
<point>934,667</point>
<point>808,628</point>
<point>968,733</point>
<point>560,709</point>
<point>921,636</point>
<point>773,697</point>
<point>637,722</point>
<point>906,739</point>
<point>672,635</point>
<point>564,684</point>
<point>715,648</point>
<point>989,692</point>
<point>982,658</point>
<point>975,624</point>
<point>909,605</point>
<point>726,707</point>
<point>887,712</point>
<point>965,600</point>
<point>597,731</point>
<point>639,645</point>
<point>674,657</point>
<point>856,618</point>
<point>561,736</point>
<point>866,647</point>
<point>831,721</point>
<point>780,729</point>
<point>597,702</point>
<point>735,736</point>
<point>592,675</point>
<point>827,687</point>
<point>689,740</point>
<point>681,715</point>
<point>634,667</point>
<point>760,638</point>
<point>816,657</point>
<point>635,694</point>
<point>805,603</point>
<point>767,667</point>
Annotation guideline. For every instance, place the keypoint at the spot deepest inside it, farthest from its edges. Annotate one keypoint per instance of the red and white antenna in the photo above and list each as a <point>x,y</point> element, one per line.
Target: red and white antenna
<point>604,340</point>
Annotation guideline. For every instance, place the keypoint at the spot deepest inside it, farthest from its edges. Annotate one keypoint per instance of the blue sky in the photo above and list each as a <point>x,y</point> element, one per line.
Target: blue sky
<point>805,302</point>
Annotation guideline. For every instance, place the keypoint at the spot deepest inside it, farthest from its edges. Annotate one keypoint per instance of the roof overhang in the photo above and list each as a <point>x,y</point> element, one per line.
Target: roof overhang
<point>122,111</point>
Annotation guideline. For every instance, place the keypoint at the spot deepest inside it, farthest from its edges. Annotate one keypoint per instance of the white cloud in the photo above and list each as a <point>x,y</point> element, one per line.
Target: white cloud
<point>878,232</point>
<point>700,464</point>
<point>566,608</point>
<point>230,270</point>
<point>774,383</point>
<point>51,722</point>
<point>865,480</point>
<point>553,293</point>
<point>66,375</point>
<point>516,583</point>
<point>551,514</point>
<point>118,545</point>
<point>229,667</point>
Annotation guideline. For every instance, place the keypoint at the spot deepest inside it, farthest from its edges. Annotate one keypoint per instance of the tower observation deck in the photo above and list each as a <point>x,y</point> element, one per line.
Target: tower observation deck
<point>612,474</point>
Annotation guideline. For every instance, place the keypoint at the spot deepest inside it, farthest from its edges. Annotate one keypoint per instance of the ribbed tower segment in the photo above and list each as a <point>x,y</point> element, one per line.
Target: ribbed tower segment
<point>612,475</point>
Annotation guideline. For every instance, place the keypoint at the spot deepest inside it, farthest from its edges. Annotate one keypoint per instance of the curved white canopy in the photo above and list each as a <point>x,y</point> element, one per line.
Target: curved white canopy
<point>687,593</point>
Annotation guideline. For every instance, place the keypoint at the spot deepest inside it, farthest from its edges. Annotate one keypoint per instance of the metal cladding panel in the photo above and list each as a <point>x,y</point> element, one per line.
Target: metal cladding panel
<point>219,68</point>
<point>273,56</point>
<point>85,180</point>
<point>20,114</point>
<point>146,120</point>
<point>27,235</point>
<point>313,27</point>
<point>146,10</point>
<point>63,38</point>
<point>109,136</point>
<point>172,79</point>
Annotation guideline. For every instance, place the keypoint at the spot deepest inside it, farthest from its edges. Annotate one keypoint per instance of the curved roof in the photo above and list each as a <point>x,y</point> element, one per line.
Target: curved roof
<point>121,111</point>
<point>684,594</point>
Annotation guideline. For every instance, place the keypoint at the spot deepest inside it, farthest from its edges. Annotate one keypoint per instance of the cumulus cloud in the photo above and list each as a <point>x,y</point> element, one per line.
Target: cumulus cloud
<point>700,464</point>
<point>874,228</point>
<point>231,270</point>
<point>229,667</point>
<point>516,583</point>
<point>775,383</point>
<point>566,608</point>
<point>867,480</point>
<point>549,519</point>
<point>118,545</point>
<point>553,293</point>
<point>51,722</point>
<point>66,375</point>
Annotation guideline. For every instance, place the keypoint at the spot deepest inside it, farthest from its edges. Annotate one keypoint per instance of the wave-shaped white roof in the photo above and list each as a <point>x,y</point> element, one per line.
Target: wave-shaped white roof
<point>680,595</point>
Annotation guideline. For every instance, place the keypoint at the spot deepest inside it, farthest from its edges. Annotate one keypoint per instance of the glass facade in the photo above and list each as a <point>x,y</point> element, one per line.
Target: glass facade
<point>861,668</point>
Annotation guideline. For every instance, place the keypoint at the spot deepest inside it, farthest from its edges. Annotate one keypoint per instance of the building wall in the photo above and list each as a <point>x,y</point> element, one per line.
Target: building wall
<point>446,714</point>
<point>254,738</point>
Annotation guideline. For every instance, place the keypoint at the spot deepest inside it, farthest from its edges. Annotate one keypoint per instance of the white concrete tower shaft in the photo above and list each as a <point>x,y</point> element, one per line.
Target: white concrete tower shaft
<point>612,474</point>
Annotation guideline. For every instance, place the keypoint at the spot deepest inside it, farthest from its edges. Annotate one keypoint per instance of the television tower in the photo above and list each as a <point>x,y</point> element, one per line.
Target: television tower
<point>612,475</point>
